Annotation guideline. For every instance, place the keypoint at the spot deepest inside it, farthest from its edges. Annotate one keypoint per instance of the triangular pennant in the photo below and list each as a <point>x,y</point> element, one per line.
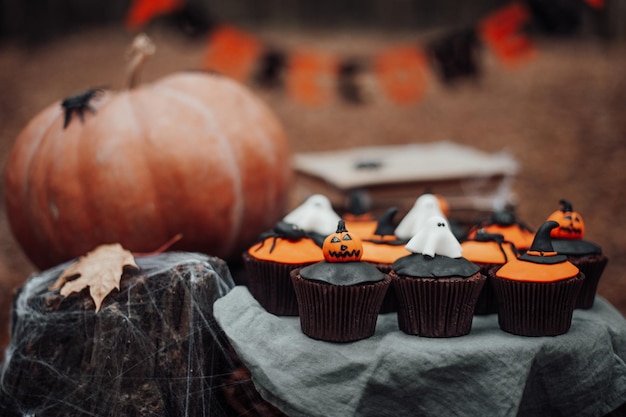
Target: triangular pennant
<point>142,11</point>
<point>348,85</point>
<point>270,69</point>
<point>311,77</point>
<point>596,4</point>
<point>232,52</point>
<point>401,73</point>
<point>556,17</point>
<point>501,32</point>
<point>455,55</point>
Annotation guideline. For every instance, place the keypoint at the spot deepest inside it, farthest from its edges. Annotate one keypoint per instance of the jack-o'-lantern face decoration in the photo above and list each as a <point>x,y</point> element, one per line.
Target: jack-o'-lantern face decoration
<point>571,225</point>
<point>342,246</point>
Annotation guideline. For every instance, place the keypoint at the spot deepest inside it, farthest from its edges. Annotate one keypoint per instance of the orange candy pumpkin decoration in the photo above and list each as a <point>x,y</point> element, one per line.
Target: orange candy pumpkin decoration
<point>192,153</point>
<point>571,224</point>
<point>342,246</point>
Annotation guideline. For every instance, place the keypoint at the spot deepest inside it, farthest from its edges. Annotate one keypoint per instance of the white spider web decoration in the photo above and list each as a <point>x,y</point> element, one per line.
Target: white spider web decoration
<point>154,349</point>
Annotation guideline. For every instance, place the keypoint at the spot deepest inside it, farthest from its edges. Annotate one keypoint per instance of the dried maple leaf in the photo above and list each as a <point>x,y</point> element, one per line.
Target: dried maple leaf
<point>100,270</point>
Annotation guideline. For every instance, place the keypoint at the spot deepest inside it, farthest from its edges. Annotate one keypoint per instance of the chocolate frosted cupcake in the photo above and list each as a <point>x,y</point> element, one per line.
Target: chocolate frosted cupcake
<point>567,239</point>
<point>489,252</point>
<point>339,298</point>
<point>537,292</point>
<point>505,223</point>
<point>269,262</point>
<point>437,288</point>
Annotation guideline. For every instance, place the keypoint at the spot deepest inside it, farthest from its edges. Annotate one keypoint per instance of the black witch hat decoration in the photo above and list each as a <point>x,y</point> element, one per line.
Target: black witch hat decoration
<point>541,250</point>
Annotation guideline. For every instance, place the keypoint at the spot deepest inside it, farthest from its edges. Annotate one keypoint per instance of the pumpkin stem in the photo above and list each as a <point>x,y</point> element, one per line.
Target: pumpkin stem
<point>160,249</point>
<point>567,206</point>
<point>341,226</point>
<point>139,52</point>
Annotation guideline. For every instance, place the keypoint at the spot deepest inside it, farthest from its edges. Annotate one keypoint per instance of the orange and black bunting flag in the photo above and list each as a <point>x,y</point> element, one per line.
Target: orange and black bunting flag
<point>596,4</point>
<point>401,72</point>
<point>501,31</point>
<point>142,11</point>
<point>455,55</point>
<point>311,77</point>
<point>271,68</point>
<point>348,86</point>
<point>232,52</point>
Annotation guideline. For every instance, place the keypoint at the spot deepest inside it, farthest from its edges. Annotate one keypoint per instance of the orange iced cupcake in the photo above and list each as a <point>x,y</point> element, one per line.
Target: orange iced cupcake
<point>567,239</point>
<point>269,262</point>
<point>489,252</point>
<point>505,223</point>
<point>537,292</point>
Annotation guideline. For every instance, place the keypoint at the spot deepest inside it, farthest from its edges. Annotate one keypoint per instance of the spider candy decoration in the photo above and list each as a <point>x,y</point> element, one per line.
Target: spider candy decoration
<point>78,104</point>
<point>289,231</point>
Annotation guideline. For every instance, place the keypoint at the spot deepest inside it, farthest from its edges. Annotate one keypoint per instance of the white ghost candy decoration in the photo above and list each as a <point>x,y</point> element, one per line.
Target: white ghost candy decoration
<point>435,238</point>
<point>425,207</point>
<point>316,214</point>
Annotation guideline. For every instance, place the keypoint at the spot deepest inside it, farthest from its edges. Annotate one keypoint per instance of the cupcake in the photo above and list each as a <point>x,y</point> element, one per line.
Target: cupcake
<point>537,292</point>
<point>339,298</point>
<point>296,241</point>
<point>437,288</point>
<point>567,239</point>
<point>505,223</point>
<point>489,252</point>
<point>269,262</point>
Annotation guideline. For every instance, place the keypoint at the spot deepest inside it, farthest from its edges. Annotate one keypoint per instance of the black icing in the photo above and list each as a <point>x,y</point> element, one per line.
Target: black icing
<point>397,242</point>
<point>576,247</point>
<point>342,273</point>
<point>424,266</point>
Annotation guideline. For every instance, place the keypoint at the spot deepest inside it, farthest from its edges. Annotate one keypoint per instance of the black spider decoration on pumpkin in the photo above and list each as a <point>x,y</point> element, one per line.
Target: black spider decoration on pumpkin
<point>78,104</point>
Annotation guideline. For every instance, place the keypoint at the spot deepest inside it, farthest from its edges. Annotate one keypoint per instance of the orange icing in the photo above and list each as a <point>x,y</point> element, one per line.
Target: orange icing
<point>521,238</point>
<point>487,252</point>
<point>362,228</point>
<point>365,217</point>
<point>287,251</point>
<point>519,270</point>
<point>444,206</point>
<point>381,253</point>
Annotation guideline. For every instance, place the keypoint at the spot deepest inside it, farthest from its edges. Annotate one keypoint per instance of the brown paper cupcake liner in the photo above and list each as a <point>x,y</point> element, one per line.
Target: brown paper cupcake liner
<point>487,302</point>
<point>270,284</point>
<point>390,302</point>
<point>437,307</point>
<point>592,267</point>
<point>536,309</point>
<point>336,313</point>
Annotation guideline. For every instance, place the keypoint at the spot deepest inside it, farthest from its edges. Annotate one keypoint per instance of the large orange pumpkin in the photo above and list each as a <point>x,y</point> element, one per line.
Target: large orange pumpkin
<point>192,153</point>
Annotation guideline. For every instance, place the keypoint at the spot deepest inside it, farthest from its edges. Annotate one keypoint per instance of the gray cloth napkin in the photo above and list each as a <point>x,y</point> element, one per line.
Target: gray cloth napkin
<point>485,373</point>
